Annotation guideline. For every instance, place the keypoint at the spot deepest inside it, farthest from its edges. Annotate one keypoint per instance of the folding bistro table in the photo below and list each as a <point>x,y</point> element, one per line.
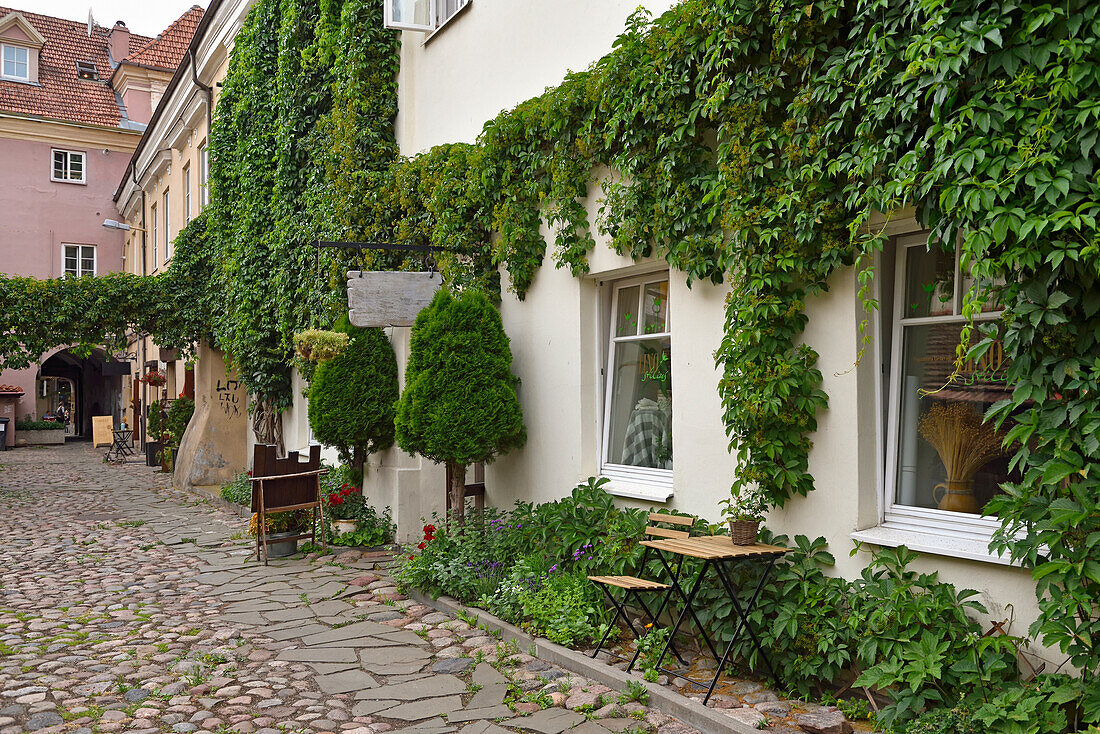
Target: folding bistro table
<point>716,551</point>
<point>122,444</point>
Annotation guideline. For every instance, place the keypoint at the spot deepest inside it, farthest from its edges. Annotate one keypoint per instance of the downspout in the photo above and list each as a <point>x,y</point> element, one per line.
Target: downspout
<point>209,94</point>
<point>140,422</point>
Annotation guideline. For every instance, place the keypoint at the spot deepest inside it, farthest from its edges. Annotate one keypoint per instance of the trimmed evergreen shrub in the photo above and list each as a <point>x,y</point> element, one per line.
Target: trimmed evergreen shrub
<point>459,405</point>
<point>351,399</point>
<point>179,415</point>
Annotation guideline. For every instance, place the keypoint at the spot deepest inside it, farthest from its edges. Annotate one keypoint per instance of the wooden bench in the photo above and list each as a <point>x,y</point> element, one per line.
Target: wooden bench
<point>636,586</point>
<point>286,485</point>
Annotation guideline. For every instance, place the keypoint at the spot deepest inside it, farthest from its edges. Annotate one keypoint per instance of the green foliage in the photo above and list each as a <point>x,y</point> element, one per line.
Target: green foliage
<point>26,424</point>
<point>650,647</point>
<point>635,691</point>
<point>154,420</point>
<point>238,491</point>
<point>567,609</point>
<point>459,402</point>
<point>352,397</point>
<point>179,415</point>
<point>321,345</point>
<point>374,528</point>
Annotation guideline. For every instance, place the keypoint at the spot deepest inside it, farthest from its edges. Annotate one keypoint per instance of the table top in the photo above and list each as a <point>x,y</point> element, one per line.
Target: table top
<point>713,547</point>
<point>122,432</point>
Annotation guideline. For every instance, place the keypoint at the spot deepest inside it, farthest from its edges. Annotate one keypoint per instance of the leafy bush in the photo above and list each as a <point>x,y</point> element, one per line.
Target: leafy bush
<point>352,397</point>
<point>179,415</point>
<point>153,427</point>
<point>239,491</point>
<point>567,609</point>
<point>374,528</point>
<point>459,405</point>
<point>26,424</point>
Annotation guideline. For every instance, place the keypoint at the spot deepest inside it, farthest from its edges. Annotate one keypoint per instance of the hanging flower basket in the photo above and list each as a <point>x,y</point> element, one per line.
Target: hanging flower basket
<point>154,379</point>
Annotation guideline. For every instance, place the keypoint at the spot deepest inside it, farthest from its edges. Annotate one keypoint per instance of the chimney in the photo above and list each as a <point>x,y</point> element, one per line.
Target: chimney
<point>120,42</point>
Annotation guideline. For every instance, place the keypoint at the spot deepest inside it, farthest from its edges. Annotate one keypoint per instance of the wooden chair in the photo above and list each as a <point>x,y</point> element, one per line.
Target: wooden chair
<point>636,586</point>
<point>285,485</point>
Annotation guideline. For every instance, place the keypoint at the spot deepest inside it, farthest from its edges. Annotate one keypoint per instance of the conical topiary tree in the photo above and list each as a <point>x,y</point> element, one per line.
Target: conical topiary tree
<point>459,405</point>
<point>352,397</point>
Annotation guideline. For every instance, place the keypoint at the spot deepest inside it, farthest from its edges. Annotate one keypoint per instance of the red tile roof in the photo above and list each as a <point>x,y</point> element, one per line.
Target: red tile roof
<point>166,50</point>
<point>60,94</point>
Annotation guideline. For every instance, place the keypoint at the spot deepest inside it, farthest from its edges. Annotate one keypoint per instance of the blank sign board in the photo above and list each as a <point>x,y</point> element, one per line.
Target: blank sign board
<point>389,298</point>
<point>102,425</point>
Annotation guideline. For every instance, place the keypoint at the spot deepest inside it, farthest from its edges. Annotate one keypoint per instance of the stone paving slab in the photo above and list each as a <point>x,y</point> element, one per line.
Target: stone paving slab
<point>104,621</point>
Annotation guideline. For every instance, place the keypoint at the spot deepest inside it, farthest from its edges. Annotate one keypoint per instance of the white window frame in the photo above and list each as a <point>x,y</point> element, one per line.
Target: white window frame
<point>67,178</point>
<point>153,219</point>
<point>438,16</point>
<point>187,194</point>
<point>15,62</point>
<point>630,481</point>
<point>954,534</point>
<point>80,249</point>
<point>166,211</point>
<point>204,176</point>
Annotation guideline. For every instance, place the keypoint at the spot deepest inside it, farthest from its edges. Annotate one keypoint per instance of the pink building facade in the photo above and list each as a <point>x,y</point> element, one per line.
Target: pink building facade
<point>74,100</point>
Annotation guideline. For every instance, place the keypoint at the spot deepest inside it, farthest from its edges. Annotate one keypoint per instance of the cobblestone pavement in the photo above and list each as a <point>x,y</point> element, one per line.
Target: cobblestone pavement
<point>128,606</point>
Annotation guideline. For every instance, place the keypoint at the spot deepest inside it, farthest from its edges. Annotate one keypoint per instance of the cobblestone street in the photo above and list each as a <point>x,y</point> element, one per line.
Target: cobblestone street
<point>128,606</point>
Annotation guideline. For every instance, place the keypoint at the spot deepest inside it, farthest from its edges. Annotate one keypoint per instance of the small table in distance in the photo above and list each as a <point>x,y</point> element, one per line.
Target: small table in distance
<point>122,444</point>
<point>715,551</point>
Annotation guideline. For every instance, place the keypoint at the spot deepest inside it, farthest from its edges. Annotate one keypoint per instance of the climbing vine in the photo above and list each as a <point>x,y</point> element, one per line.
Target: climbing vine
<point>742,141</point>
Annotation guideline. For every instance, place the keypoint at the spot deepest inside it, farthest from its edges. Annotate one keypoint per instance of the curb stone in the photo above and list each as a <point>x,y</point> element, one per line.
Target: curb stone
<point>687,711</point>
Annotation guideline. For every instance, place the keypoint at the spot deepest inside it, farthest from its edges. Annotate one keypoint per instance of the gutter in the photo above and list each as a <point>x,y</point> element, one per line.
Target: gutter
<point>208,90</point>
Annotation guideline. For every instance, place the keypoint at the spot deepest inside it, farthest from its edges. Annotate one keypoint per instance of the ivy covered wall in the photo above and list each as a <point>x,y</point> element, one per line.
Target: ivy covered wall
<point>750,142</point>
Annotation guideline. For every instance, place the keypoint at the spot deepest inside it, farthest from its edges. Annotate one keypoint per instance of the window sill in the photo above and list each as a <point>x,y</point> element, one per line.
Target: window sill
<point>658,490</point>
<point>940,544</point>
<point>444,24</point>
<point>68,181</point>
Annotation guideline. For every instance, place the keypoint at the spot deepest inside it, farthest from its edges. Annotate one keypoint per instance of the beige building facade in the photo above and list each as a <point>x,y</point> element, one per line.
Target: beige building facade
<point>593,379</point>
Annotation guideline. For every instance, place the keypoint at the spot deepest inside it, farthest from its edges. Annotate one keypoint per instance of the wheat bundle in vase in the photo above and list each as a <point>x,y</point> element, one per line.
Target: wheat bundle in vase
<point>965,444</point>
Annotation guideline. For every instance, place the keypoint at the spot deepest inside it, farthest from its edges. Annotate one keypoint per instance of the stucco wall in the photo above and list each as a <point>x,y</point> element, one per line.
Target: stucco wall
<point>495,54</point>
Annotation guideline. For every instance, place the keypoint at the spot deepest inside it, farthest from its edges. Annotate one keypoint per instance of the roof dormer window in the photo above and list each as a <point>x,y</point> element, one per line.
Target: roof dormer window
<point>87,70</point>
<point>16,62</point>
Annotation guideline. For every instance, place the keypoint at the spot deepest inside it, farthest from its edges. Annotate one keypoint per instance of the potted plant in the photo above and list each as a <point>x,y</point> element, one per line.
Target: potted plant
<point>343,507</point>
<point>965,444</point>
<point>153,430</point>
<point>745,511</point>
<point>280,525</point>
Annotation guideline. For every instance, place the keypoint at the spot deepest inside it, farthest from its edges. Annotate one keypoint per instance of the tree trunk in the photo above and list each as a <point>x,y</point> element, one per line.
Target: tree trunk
<point>267,425</point>
<point>458,491</point>
<point>358,464</point>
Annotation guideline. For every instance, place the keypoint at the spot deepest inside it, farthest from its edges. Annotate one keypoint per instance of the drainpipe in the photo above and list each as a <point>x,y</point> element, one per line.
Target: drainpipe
<point>209,93</point>
<point>139,422</point>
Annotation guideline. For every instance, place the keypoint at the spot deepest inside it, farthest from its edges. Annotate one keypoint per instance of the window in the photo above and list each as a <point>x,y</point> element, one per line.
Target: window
<point>943,463</point>
<point>68,166</point>
<point>186,194</point>
<point>421,15</point>
<point>87,70</point>
<point>167,228</point>
<point>204,176</point>
<point>79,260</point>
<point>153,219</point>
<point>16,62</point>
<point>637,426</point>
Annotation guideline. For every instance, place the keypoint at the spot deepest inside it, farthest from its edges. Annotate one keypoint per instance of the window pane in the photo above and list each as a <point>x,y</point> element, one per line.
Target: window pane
<point>412,12</point>
<point>626,318</point>
<point>76,166</point>
<point>929,282</point>
<point>9,53</point>
<point>641,404</point>
<point>947,458</point>
<point>655,307</point>
<point>58,164</point>
<point>70,263</point>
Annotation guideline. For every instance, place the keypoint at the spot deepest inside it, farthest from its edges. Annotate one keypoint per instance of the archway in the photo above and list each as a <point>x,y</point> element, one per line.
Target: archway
<point>75,387</point>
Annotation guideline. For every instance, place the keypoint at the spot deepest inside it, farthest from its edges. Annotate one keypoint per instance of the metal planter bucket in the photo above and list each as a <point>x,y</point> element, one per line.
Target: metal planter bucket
<point>281,548</point>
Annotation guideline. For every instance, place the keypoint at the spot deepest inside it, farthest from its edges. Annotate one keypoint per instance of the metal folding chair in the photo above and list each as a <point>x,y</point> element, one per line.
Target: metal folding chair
<point>635,587</point>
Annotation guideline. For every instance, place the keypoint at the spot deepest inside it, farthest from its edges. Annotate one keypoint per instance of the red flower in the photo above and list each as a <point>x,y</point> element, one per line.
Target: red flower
<point>337,500</point>
<point>421,546</point>
<point>344,485</point>
<point>411,558</point>
<point>249,472</point>
<point>345,492</point>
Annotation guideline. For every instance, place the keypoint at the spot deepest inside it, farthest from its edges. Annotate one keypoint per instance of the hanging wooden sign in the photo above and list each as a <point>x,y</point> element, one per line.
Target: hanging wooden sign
<point>386,298</point>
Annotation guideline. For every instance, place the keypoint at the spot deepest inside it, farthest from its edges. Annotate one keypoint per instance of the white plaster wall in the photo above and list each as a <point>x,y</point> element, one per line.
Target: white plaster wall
<point>495,54</point>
